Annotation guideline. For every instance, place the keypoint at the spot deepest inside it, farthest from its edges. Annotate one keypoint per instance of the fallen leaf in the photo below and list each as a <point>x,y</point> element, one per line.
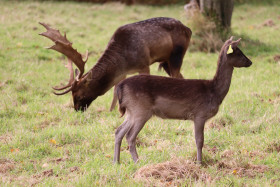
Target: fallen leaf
<point>15,150</point>
<point>52,141</point>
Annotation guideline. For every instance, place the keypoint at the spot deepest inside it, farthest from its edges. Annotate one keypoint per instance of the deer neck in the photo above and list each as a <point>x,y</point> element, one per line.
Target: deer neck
<point>106,71</point>
<point>222,79</point>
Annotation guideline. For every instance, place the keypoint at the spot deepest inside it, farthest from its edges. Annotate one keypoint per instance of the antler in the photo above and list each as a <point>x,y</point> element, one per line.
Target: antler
<point>69,66</point>
<point>64,46</point>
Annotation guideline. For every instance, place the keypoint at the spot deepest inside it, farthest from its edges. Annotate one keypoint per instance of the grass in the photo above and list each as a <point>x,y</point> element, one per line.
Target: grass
<point>44,141</point>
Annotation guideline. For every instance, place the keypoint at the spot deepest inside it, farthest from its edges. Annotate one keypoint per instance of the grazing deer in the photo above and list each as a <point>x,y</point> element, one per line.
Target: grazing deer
<point>141,97</point>
<point>132,48</point>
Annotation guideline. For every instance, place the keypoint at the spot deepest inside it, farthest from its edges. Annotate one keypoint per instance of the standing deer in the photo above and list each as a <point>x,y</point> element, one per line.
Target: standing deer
<point>141,97</point>
<point>132,48</point>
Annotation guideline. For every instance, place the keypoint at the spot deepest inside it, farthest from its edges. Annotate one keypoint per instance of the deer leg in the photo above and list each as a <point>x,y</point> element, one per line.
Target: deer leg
<point>175,61</point>
<point>114,102</point>
<point>131,137</point>
<point>199,137</point>
<point>165,66</point>
<point>145,71</point>
<point>119,134</point>
<point>115,98</point>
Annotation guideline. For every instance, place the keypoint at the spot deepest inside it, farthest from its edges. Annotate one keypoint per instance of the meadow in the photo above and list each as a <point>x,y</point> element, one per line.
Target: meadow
<point>44,142</point>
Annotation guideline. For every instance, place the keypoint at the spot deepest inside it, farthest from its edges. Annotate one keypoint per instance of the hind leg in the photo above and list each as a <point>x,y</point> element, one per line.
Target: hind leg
<point>132,134</point>
<point>175,61</point>
<point>119,134</point>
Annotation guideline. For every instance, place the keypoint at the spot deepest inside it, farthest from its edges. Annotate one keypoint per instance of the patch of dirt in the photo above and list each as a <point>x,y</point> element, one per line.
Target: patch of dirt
<point>227,154</point>
<point>212,150</point>
<point>46,173</point>
<point>179,171</point>
<point>274,146</point>
<point>232,167</point>
<point>219,123</point>
<point>20,180</point>
<point>6,177</point>
<point>58,160</point>
<point>215,126</point>
<point>5,138</point>
<point>73,169</point>
<point>259,154</point>
<point>6,165</point>
<point>268,23</point>
<point>47,123</point>
<point>143,143</point>
<point>44,124</point>
<point>276,58</point>
<point>171,173</point>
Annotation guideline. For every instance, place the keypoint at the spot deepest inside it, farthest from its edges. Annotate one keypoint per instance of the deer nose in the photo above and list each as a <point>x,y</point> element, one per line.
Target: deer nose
<point>249,63</point>
<point>79,108</point>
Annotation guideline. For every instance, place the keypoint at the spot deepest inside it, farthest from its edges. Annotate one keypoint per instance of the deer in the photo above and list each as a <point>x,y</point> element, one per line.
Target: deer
<point>132,49</point>
<point>141,97</point>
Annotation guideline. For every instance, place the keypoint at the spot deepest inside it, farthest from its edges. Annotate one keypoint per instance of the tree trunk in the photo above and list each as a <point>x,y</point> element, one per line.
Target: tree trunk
<point>128,2</point>
<point>220,10</point>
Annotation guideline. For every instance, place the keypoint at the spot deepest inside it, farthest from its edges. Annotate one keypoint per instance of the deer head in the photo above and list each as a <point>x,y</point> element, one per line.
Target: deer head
<point>79,85</point>
<point>234,56</point>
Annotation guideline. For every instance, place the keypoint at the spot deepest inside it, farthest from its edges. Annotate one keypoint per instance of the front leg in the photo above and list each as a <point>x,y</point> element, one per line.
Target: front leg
<point>199,137</point>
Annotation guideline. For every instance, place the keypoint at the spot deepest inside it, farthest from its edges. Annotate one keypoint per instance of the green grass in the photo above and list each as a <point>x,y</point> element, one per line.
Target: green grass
<point>44,141</point>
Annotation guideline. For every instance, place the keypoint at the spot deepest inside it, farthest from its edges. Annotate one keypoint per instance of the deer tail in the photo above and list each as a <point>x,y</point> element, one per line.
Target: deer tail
<point>119,91</point>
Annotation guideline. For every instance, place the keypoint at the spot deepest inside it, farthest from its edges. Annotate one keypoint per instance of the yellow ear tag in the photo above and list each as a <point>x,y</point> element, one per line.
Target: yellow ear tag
<point>229,51</point>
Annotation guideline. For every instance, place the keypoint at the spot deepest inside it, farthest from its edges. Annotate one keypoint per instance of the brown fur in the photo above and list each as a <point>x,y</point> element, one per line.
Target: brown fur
<point>143,96</point>
<point>133,48</point>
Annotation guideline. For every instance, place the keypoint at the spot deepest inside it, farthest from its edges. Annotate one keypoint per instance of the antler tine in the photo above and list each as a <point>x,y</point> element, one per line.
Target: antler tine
<point>71,79</point>
<point>45,25</point>
<point>86,56</point>
<point>79,74</point>
<point>62,93</point>
<point>54,34</point>
<point>64,46</point>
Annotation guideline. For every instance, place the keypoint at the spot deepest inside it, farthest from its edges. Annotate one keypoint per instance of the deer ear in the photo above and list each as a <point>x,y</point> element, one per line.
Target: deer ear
<point>235,43</point>
<point>230,50</point>
<point>89,76</point>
